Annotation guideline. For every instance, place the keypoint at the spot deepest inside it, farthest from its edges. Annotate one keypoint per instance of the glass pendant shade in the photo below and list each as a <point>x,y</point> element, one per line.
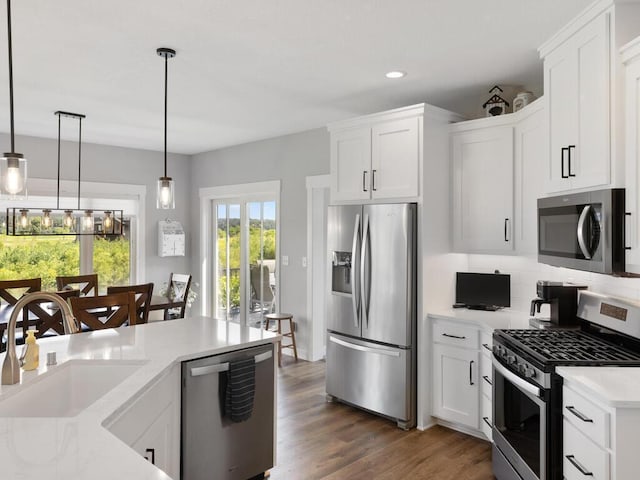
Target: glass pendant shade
<point>107,221</point>
<point>166,196</point>
<point>46,219</point>
<point>87,221</point>
<point>24,218</point>
<point>13,176</point>
<point>68,218</point>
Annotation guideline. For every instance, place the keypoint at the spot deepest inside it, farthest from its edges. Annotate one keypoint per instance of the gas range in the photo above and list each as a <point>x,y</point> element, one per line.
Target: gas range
<point>527,393</point>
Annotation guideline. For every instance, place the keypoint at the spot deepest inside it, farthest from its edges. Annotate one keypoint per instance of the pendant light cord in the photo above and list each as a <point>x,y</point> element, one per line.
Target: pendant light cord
<point>59,129</point>
<point>166,76</point>
<point>79,156</point>
<point>10,74</point>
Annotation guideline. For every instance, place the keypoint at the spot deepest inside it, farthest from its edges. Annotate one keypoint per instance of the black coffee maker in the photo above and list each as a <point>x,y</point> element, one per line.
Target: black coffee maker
<point>561,297</point>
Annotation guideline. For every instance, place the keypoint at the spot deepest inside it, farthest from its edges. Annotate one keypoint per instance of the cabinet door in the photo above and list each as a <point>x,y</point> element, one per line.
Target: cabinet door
<point>159,441</point>
<point>351,164</point>
<point>395,159</point>
<point>632,157</point>
<point>455,385</point>
<point>483,190</point>
<point>577,90</point>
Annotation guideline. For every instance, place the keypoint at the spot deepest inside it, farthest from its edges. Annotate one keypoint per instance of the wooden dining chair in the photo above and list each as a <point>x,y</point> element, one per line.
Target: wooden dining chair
<point>87,284</point>
<point>47,319</point>
<point>143,295</point>
<point>179,285</point>
<point>10,292</point>
<point>105,311</point>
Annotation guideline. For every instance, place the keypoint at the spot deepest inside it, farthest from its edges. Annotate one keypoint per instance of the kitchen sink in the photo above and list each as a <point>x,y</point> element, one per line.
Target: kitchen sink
<point>68,388</point>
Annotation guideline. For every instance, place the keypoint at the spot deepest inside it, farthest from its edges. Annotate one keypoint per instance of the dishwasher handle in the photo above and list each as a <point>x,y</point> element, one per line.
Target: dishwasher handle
<point>224,367</point>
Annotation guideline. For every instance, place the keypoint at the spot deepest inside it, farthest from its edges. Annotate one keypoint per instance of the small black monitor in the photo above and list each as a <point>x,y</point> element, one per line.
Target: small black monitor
<point>483,291</point>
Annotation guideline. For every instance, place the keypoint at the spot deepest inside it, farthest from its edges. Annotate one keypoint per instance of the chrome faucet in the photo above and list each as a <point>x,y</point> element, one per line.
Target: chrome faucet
<point>11,365</point>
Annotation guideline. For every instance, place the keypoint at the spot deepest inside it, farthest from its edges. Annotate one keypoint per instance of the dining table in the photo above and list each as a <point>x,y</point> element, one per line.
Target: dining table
<point>162,302</point>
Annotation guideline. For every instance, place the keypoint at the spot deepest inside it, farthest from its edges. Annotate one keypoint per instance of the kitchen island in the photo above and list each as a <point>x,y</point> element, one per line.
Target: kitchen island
<point>43,444</point>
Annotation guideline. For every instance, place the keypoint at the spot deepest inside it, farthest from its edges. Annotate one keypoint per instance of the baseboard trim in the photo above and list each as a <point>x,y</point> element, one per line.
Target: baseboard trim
<point>462,429</point>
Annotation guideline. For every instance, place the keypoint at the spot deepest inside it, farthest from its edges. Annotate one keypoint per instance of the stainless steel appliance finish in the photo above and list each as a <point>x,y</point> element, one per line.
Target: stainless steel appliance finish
<point>583,231</point>
<point>527,393</point>
<point>213,446</point>
<point>372,305</point>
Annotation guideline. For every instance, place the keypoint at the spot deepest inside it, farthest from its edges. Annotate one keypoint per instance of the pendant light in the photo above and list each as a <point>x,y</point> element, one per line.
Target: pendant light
<point>13,166</point>
<point>165,195</point>
<point>55,221</point>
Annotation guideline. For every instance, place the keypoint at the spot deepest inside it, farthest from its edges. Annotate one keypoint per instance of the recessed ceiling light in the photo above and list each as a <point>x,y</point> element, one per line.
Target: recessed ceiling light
<point>395,74</point>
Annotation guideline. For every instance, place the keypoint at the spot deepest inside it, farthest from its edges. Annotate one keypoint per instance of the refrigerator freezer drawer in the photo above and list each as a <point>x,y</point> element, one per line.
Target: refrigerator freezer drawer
<point>371,376</point>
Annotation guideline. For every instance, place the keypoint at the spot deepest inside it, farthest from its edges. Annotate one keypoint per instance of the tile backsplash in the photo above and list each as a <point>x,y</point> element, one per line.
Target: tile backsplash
<point>525,271</point>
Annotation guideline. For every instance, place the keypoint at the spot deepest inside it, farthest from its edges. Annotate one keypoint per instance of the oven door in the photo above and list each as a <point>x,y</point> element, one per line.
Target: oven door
<point>519,425</point>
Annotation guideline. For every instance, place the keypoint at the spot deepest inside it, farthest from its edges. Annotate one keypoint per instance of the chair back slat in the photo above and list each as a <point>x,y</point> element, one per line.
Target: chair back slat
<point>105,311</point>
<point>179,285</point>
<point>143,295</point>
<point>12,290</point>
<point>47,320</point>
<point>87,284</point>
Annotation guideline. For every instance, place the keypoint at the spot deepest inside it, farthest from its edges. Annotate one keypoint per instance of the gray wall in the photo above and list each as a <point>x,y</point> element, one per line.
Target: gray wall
<point>101,163</point>
<point>289,159</point>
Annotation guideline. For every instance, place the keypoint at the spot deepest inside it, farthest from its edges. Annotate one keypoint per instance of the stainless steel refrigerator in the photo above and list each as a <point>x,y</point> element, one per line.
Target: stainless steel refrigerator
<point>371,315</point>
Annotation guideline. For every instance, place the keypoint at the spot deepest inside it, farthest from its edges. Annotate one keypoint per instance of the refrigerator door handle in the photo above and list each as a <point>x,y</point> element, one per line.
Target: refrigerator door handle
<point>362,348</point>
<point>355,292</point>
<point>365,273</point>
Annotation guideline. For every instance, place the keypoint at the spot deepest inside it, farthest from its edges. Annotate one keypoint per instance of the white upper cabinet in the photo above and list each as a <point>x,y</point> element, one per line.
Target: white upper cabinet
<point>582,87</point>
<point>483,188</point>
<point>377,157</point>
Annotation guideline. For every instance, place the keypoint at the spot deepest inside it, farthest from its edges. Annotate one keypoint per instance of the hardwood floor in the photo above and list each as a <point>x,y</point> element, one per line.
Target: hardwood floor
<point>320,440</point>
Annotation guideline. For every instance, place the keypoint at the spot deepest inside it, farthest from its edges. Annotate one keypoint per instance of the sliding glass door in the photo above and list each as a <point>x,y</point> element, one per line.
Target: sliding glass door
<point>245,259</point>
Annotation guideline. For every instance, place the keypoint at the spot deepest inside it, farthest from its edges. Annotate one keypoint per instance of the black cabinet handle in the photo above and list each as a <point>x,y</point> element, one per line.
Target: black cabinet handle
<point>569,169</point>
<point>453,336</point>
<point>562,150</point>
<point>373,180</point>
<point>579,414</point>
<point>506,229</point>
<point>486,420</point>
<point>471,372</point>
<point>485,345</point>
<point>150,455</point>
<point>364,180</point>
<point>487,379</point>
<point>580,468</point>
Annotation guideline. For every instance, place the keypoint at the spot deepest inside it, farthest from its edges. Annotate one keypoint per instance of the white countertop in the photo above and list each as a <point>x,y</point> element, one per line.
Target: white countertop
<point>618,387</point>
<point>75,448</point>
<point>500,319</point>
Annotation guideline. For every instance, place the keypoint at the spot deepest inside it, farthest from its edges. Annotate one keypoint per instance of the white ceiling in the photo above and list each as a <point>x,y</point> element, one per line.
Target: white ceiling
<point>253,69</point>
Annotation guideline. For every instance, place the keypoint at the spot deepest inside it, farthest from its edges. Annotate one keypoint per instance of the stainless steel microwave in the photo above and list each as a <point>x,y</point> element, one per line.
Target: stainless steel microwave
<point>583,231</point>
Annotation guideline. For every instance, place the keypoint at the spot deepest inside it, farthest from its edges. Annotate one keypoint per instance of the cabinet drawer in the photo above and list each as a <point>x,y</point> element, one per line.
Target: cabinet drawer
<point>486,376</point>
<point>486,344</point>
<point>581,458</point>
<point>455,334</point>
<point>486,417</point>
<point>586,416</point>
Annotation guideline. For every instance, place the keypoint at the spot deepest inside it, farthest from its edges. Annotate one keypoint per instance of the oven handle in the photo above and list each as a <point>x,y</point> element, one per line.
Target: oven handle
<point>516,380</point>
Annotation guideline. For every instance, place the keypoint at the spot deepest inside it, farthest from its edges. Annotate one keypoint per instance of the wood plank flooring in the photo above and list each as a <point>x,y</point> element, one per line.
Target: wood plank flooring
<point>332,441</point>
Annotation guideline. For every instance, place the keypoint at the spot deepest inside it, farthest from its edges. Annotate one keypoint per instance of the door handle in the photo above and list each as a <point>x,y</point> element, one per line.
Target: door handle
<point>362,348</point>
<point>487,379</point>
<point>580,468</point>
<point>224,367</point>
<point>582,242</point>
<point>355,283</point>
<point>373,180</point>
<point>627,215</point>
<point>506,230</point>
<point>150,455</point>
<point>364,280</point>
<point>453,336</point>
<point>562,150</point>
<point>471,372</point>
<point>579,414</point>
<point>364,181</point>
<point>569,169</point>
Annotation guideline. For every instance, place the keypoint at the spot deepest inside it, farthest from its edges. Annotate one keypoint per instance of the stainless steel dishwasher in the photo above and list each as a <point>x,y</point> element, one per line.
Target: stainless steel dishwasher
<point>214,447</point>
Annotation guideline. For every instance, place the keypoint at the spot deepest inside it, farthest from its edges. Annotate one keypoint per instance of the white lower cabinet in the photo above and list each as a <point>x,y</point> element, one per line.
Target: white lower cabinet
<point>458,376</point>
<point>150,425</point>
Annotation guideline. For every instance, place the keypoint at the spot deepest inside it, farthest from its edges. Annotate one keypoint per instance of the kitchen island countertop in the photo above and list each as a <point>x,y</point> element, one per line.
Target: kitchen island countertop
<point>79,447</point>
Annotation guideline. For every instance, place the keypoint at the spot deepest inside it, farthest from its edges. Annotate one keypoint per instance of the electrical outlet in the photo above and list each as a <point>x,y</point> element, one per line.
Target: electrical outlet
<point>285,260</point>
